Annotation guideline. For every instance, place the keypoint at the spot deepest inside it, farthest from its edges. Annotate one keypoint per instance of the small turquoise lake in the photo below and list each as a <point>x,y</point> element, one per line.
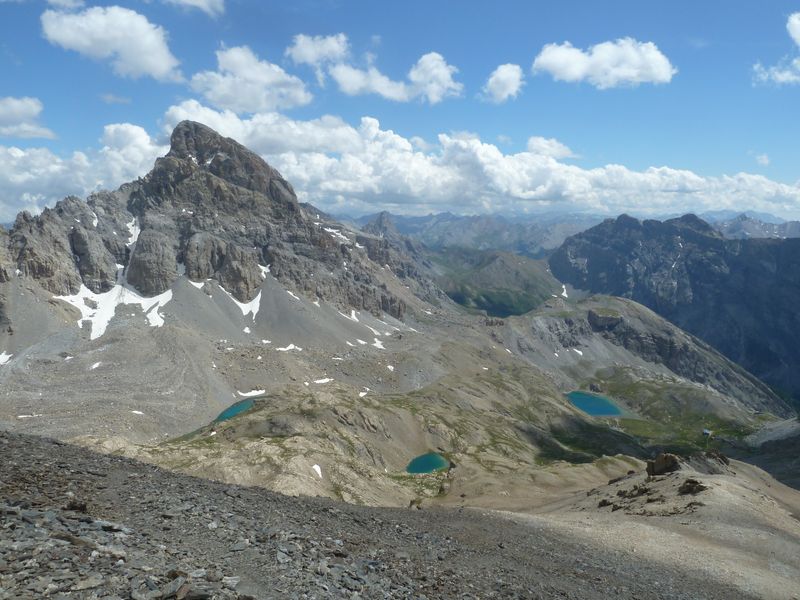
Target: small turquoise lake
<point>594,404</point>
<point>428,463</point>
<point>235,409</point>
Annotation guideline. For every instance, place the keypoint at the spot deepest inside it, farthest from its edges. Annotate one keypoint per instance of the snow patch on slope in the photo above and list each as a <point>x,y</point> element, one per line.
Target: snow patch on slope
<point>134,230</point>
<point>289,347</point>
<point>107,302</point>
<point>246,307</point>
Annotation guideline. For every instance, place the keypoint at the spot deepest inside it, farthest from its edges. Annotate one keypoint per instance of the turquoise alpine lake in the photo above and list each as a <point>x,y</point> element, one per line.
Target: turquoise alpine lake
<point>428,463</point>
<point>594,404</point>
<point>235,409</point>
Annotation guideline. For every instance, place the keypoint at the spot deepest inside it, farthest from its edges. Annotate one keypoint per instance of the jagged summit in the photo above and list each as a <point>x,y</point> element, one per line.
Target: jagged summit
<point>227,159</point>
<point>382,225</point>
<point>695,223</point>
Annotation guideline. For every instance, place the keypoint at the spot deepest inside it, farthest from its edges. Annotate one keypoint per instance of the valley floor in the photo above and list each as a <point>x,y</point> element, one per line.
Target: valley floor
<point>76,524</point>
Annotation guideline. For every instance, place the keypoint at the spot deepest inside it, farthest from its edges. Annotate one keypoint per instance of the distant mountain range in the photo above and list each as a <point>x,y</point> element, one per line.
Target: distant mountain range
<point>532,237</point>
<point>720,216</point>
<point>748,227</point>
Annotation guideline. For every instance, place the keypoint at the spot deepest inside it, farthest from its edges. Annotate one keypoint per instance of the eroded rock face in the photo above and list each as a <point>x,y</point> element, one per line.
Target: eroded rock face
<point>204,256</point>
<point>41,248</point>
<point>96,264</point>
<point>240,273</point>
<point>153,266</point>
<point>7,266</point>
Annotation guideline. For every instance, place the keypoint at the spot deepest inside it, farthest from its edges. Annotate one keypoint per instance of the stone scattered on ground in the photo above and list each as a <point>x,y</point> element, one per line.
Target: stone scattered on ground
<point>76,524</point>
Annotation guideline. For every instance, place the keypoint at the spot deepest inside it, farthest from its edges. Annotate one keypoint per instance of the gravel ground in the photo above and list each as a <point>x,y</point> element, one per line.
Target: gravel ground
<point>75,524</point>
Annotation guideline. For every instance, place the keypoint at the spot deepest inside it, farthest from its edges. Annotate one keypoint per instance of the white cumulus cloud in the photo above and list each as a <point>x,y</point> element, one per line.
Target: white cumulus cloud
<point>212,8</point>
<point>19,118</point>
<point>355,82</point>
<point>270,133</point>
<point>135,46</point>
<point>318,50</point>
<point>762,159</point>
<point>623,62</point>
<point>243,83</point>
<point>33,178</point>
<point>549,147</point>
<point>505,82</point>
<point>793,27</point>
<point>430,79</point>
<point>787,71</point>
<point>128,152</point>
<point>364,167</point>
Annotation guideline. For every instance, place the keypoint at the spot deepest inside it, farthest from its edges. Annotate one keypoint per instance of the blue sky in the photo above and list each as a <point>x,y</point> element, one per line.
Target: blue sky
<point>640,107</point>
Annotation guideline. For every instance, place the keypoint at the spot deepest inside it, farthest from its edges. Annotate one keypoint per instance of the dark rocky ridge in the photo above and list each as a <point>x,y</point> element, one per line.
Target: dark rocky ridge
<point>740,296</point>
<point>211,207</point>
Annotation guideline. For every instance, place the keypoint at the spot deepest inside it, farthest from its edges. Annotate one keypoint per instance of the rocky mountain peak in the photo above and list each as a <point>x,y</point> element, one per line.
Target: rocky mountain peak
<point>625,221</point>
<point>382,225</point>
<point>695,223</point>
<point>197,149</point>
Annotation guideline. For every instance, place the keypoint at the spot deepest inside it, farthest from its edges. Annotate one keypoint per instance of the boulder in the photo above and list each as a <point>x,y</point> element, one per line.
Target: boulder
<point>691,486</point>
<point>663,463</point>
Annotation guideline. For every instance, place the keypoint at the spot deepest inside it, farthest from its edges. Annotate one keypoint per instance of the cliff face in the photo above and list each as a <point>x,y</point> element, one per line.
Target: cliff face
<point>740,296</point>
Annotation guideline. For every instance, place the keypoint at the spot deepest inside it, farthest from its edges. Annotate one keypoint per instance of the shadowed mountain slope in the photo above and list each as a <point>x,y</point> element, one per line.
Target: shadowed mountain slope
<point>740,296</point>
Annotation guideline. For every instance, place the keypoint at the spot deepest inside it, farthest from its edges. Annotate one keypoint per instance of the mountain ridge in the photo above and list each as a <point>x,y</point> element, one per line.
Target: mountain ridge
<point>738,295</point>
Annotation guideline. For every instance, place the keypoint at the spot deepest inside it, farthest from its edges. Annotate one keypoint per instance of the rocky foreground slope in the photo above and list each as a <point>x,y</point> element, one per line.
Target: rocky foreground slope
<point>82,525</point>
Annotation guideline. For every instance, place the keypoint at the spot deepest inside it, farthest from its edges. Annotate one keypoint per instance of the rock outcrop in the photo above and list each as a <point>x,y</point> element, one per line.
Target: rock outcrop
<point>663,463</point>
<point>153,267</point>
